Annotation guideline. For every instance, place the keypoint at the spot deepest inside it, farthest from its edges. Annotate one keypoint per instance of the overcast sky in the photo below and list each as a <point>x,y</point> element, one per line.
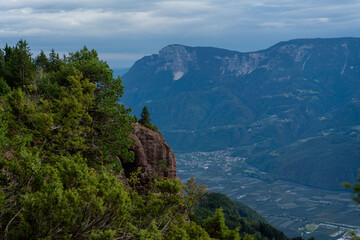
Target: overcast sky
<point>122,31</point>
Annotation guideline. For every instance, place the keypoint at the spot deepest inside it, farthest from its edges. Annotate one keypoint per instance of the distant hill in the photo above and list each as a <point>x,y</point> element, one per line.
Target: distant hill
<point>273,106</point>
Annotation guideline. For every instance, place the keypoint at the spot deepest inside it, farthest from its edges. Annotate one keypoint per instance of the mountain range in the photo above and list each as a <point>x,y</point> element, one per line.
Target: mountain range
<point>293,110</point>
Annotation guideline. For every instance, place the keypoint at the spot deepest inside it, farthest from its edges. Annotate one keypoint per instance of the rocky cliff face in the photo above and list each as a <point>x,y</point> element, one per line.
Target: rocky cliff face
<point>152,153</point>
<point>177,59</point>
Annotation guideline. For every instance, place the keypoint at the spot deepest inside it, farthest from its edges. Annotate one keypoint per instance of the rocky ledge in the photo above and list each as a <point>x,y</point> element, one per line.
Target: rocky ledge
<point>152,154</point>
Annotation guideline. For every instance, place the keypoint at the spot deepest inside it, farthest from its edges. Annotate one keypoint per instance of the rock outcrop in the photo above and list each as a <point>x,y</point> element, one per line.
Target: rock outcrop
<point>152,153</point>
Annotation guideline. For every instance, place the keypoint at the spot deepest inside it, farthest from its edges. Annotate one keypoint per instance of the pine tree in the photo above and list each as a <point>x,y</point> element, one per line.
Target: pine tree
<point>19,65</point>
<point>2,63</point>
<point>41,61</point>
<point>54,61</point>
<point>145,116</point>
<point>145,120</point>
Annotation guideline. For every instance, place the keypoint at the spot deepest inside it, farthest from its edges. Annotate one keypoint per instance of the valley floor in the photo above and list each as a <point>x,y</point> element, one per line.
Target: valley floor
<point>293,208</point>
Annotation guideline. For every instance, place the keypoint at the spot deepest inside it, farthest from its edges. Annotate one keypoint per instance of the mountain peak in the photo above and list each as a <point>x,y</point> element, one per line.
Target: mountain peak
<point>176,52</point>
<point>177,59</point>
<point>172,47</point>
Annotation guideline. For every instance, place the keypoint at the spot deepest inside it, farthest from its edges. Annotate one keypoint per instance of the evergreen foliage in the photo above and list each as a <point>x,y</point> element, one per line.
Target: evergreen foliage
<point>54,61</point>
<point>42,61</point>
<point>63,139</point>
<point>145,119</point>
<point>2,63</point>
<point>19,65</point>
<point>145,116</point>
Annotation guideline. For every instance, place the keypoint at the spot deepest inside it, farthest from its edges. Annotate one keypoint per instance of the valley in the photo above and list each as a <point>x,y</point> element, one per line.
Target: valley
<point>293,208</point>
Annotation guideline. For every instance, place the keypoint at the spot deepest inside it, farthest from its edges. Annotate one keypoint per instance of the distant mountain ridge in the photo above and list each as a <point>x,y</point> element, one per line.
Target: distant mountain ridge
<point>265,104</point>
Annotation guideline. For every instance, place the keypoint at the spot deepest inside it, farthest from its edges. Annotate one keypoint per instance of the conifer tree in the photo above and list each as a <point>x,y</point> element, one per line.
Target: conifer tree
<point>19,65</point>
<point>41,61</point>
<point>145,116</point>
<point>2,63</point>
<point>145,120</point>
<point>54,61</point>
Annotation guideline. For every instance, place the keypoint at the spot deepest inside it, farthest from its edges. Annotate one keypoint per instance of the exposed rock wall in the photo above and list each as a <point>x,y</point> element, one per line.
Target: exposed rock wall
<point>152,153</point>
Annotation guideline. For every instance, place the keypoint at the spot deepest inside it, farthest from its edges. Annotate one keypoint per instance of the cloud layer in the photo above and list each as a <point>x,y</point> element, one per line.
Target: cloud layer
<point>133,28</point>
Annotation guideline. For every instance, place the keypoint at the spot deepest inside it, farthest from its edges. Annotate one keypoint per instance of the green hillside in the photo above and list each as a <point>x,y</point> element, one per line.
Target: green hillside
<point>237,215</point>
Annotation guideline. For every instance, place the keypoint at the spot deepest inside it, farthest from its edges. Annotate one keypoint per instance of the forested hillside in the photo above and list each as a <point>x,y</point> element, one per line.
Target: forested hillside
<point>63,141</point>
<point>236,215</point>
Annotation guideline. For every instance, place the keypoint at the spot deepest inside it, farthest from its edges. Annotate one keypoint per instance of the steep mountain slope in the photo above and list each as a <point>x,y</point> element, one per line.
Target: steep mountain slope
<point>275,99</point>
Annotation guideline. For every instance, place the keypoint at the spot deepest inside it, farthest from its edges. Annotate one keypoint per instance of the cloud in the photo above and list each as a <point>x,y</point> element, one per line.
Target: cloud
<point>91,21</point>
<point>118,25</point>
<point>89,18</point>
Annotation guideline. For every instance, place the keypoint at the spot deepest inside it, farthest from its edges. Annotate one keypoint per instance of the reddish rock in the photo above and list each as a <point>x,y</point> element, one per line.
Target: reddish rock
<point>152,153</point>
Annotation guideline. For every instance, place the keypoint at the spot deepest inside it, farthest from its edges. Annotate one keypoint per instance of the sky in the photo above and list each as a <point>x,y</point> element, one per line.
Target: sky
<point>123,31</point>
